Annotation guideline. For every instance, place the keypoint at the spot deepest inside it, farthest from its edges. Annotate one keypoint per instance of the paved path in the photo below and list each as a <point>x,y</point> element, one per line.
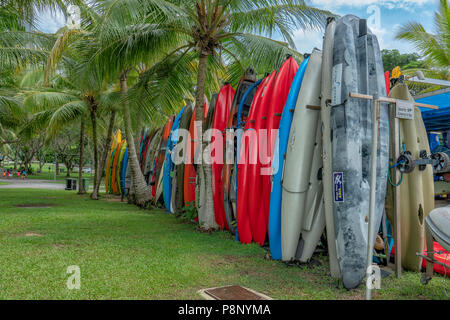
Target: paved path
<point>31,184</point>
<point>37,184</point>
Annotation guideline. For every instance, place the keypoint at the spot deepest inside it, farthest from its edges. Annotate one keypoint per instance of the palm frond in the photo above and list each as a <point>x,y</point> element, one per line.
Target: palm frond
<point>435,47</point>
<point>280,18</point>
<point>47,100</point>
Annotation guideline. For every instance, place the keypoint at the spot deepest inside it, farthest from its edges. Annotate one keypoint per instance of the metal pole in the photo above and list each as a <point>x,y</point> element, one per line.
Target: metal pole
<point>397,213</point>
<point>54,174</point>
<point>373,184</point>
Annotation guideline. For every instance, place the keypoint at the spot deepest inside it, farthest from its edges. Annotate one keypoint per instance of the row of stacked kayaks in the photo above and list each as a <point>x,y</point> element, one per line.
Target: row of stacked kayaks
<point>291,157</point>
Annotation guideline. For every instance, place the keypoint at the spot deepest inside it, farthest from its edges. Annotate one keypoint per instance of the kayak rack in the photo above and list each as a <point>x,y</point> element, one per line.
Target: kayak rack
<point>376,101</point>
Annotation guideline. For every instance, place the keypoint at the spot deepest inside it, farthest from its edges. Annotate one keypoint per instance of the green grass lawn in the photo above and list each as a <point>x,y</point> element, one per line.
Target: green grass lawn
<point>127,253</point>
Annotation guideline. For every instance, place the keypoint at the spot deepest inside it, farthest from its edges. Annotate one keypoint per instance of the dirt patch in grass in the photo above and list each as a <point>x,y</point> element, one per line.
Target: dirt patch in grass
<point>114,199</point>
<point>35,205</point>
<point>33,234</point>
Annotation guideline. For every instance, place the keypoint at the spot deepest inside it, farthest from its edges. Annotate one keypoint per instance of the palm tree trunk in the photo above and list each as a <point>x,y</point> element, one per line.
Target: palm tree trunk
<point>206,217</point>
<point>203,170</point>
<point>200,92</point>
<point>94,140</point>
<point>15,160</point>
<point>102,163</point>
<point>142,191</point>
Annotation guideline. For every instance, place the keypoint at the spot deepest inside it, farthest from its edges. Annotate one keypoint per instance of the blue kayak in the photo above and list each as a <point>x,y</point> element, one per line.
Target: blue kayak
<point>278,162</point>
<point>123,171</point>
<point>168,163</point>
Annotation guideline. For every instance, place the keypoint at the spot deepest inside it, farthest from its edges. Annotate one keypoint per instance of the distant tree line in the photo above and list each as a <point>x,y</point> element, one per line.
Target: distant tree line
<point>393,58</point>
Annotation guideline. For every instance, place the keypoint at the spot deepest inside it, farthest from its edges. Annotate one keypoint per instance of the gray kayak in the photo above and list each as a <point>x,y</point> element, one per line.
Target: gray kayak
<point>148,167</point>
<point>357,67</point>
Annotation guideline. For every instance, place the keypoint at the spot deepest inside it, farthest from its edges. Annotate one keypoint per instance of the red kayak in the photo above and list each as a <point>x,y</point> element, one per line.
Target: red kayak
<point>254,186</point>
<point>190,174</point>
<point>220,119</point>
<point>440,254</point>
<point>277,102</point>
<point>254,183</point>
<point>248,159</point>
<point>388,82</point>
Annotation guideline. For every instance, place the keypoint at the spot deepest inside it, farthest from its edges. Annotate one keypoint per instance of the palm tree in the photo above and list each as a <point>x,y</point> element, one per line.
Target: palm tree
<point>70,50</point>
<point>131,33</point>
<point>20,47</point>
<point>434,47</point>
<point>11,117</point>
<point>233,31</point>
<point>64,100</point>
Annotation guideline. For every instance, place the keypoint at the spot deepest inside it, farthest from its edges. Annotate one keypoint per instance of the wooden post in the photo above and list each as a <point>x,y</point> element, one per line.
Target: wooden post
<point>373,184</point>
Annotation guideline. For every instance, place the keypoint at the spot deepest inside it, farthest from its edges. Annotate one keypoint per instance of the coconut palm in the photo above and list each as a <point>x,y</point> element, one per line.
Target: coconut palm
<point>91,48</point>
<point>20,47</point>
<point>435,47</point>
<point>69,52</point>
<point>238,33</point>
<point>131,33</point>
<point>11,116</point>
<point>228,35</point>
<point>63,101</point>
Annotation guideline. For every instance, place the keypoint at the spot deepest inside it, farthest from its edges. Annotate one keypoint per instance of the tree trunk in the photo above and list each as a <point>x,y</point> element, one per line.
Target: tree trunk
<point>15,160</point>
<point>142,191</point>
<point>80,163</point>
<point>102,163</point>
<point>202,170</point>
<point>206,217</point>
<point>94,140</point>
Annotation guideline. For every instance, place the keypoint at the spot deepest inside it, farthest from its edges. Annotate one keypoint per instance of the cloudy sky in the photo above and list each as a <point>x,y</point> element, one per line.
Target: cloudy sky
<point>384,16</point>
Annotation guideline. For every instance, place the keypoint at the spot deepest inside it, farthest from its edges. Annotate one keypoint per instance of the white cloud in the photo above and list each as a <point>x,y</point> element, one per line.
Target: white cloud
<point>50,22</point>
<point>306,41</point>
<point>380,33</point>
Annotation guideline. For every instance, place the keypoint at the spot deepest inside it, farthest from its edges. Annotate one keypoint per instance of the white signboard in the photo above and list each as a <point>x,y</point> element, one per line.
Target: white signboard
<point>404,110</point>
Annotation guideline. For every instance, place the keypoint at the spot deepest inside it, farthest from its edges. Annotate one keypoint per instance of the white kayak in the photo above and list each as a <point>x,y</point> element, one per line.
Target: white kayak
<point>301,227</point>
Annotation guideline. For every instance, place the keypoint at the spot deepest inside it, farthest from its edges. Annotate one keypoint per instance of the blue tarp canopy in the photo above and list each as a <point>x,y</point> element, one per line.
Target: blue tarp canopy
<point>437,120</point>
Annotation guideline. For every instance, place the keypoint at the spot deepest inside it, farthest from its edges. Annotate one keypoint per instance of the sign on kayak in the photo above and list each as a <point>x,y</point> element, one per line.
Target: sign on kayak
<point>404,110</point>
<point>338,181</point>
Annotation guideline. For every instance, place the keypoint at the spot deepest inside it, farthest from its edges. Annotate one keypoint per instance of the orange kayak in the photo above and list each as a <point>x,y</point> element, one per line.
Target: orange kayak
<point>162,153</point>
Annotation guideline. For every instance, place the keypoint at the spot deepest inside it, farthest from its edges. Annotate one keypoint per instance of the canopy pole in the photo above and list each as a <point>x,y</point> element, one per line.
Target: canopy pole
<point>373,183</point>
